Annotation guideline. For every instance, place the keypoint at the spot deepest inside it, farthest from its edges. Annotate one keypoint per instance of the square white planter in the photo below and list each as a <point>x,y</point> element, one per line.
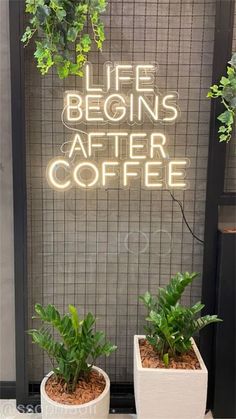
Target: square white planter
<point>162,393</point>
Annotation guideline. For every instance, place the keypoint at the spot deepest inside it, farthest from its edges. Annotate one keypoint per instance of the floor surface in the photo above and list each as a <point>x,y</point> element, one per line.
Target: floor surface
<point>8,411</point>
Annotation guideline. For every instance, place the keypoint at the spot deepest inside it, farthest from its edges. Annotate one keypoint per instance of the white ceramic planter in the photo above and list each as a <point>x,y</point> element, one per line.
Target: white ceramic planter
<point>168,393</point>
<point>96,409</point>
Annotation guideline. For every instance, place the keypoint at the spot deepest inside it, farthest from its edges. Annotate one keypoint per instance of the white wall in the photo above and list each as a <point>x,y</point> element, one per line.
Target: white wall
<point>7,323</point>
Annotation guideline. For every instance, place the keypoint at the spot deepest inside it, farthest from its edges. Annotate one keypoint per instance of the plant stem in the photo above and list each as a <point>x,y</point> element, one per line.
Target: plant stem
<point>226,105</point>
<point>76,376</point>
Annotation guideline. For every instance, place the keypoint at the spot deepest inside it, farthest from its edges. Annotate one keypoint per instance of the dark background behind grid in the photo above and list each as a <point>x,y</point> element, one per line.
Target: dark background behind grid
<point>101,249</point>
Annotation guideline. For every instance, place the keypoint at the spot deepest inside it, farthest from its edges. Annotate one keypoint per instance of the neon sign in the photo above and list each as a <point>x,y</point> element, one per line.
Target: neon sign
<point>129,98</point>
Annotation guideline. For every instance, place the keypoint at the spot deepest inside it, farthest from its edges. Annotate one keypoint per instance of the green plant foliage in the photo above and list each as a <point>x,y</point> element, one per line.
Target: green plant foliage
<point>58,24</point>
<point>75,351</point>
<point>172,325</point>
<point>226,90</point>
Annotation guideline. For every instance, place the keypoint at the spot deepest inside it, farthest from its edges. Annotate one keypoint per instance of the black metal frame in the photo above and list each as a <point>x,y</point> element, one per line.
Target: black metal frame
<point>19,187</point>
<point>215,194</point>
<point>225,373</point>
<point>122,396</point>
<point>7,389</point>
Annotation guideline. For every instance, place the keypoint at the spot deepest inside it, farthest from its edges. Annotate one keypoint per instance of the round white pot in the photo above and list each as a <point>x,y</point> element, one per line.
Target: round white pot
<point>96,409</point>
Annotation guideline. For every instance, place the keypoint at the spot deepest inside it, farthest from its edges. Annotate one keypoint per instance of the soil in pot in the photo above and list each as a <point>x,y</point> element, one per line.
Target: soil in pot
<point>150,358</point>
<point>86,390</point>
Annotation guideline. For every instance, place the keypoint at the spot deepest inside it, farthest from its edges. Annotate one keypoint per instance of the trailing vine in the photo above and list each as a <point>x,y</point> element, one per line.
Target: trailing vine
<point>57,26</point>
<point>226,90</point>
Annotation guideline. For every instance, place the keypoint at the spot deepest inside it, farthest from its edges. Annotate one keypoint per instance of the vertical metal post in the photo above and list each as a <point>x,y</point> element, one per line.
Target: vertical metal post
<point>19,187</point>
<point>215,181</point>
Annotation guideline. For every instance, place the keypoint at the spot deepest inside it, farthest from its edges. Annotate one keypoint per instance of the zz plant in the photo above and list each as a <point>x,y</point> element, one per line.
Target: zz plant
<point>171,325</point>
<point>74,353</point>
<point>59,25</point>
<point>226,91</point>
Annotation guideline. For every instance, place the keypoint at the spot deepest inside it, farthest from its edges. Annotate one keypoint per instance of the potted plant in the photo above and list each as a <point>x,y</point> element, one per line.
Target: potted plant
<point>74,387</point>
<point>170,377</point>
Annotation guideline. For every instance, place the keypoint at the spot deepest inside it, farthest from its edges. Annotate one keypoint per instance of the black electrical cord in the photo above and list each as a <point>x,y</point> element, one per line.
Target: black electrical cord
<point>184,217</point>
<point>182,211</point>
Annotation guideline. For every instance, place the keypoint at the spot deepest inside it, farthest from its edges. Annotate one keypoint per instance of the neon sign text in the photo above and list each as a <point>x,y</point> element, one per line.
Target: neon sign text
<point>129,97</point>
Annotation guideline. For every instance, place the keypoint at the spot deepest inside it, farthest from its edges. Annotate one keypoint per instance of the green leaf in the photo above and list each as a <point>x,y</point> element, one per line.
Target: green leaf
<point>215,91</point>
<point>197,307</point>
<point>214,88</point>
<point>222,128</point>
<point>61,14</point>
<point>233,101</point>
<point>29,32</point>
<point>231,71</point>
<point>229,92</point>
<point>63,70</point>
<point>72,34</point>
<point>74,318</point>
<point>44,57</point>
<point>155,318</point>
<point>58,59</point>
<point>226,117</point>
<point>40,310</point>
<point>173,292</point>
<point>205,321</point>
<point>82,8</point>
<point>224,137</point>
<point>42,13</point>
<point>233,60</point>
<point>86,43</point>
<point>94,17</point>
<point>224,81</point>
<point>102,4</point>
<point>32,5</point>
<point>146,298</point>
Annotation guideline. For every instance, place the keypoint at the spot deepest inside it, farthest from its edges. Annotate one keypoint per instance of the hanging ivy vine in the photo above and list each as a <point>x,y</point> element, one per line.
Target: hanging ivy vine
<point>59,27</point>
<point>226,90</point>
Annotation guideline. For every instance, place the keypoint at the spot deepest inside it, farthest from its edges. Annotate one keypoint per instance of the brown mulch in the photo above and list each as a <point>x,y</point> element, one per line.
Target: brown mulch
<point>86,390</point>
<point>151,359</point>
<point>229,230</point>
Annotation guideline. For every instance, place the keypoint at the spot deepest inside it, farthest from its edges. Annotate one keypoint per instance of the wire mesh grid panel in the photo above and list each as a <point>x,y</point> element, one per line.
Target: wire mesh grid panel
<point>100,249</point>
<point>230,167</point>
